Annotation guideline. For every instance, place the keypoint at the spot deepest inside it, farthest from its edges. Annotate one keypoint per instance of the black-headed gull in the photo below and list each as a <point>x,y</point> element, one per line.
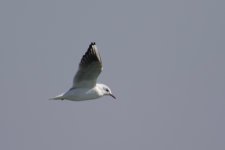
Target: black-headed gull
<point>84,82</point>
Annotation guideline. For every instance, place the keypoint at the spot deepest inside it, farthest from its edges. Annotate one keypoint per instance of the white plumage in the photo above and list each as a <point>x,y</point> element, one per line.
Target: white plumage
<point>84,82</point>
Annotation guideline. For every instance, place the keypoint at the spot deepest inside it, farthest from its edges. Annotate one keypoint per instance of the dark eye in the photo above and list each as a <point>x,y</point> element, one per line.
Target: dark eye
<point>107,90</point>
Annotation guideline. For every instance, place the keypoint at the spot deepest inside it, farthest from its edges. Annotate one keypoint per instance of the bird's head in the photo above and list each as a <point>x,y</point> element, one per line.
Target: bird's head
<point>106,90</point>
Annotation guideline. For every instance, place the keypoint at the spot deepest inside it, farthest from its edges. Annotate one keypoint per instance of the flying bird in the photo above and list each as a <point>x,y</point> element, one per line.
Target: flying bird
<point>84,82</point>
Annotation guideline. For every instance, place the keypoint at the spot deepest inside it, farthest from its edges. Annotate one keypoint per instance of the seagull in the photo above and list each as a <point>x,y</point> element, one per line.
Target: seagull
<point>84,82</point>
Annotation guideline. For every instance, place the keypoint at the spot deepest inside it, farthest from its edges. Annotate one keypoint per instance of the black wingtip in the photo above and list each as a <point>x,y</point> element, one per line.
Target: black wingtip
<point>92,43</point>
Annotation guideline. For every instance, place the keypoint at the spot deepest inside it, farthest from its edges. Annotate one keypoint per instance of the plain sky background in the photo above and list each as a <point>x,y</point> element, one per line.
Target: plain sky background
<point>163,59</point>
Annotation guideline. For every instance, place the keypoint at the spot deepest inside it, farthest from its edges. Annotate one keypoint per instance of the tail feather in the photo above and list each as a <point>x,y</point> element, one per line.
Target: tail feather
<point>59,97</point>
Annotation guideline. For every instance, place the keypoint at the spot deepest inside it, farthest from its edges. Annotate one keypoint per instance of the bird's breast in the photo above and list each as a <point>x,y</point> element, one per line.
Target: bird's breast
<point>79,94</point>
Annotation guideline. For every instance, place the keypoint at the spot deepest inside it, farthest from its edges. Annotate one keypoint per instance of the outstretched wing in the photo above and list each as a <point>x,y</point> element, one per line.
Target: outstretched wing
<point>89,68</point>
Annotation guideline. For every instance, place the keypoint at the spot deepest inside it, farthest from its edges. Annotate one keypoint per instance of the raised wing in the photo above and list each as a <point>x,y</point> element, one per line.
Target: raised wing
<point>89,69</point>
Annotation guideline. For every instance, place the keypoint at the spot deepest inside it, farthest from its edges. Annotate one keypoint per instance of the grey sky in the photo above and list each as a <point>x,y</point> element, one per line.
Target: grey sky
<point>164,60</point>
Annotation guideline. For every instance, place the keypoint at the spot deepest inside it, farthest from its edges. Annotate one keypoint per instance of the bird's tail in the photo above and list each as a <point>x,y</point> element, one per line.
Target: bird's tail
<point>59,97</point>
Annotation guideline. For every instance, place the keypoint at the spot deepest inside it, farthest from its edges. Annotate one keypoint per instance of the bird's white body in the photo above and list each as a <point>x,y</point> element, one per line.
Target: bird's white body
<point>84,82</point>
<point>79,94</point>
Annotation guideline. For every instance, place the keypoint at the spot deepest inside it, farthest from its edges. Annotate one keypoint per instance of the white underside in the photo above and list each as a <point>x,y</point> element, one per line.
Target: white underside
<point>80,94</point>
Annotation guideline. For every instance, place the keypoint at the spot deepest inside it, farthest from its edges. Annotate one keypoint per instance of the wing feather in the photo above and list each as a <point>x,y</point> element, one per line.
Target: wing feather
<point>89,68</point>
